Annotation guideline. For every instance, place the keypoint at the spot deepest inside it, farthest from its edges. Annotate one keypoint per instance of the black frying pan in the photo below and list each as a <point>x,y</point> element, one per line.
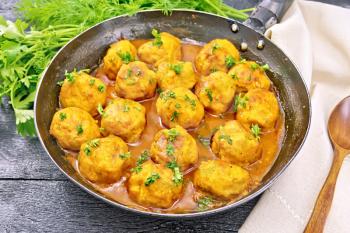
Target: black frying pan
<point>85,50</point>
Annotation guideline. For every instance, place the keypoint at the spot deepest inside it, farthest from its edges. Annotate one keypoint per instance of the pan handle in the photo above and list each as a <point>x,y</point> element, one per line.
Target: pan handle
<point>267,13</point>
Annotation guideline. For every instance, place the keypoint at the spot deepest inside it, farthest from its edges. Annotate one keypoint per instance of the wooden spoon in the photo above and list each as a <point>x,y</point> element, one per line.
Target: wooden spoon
<point>339,133</point>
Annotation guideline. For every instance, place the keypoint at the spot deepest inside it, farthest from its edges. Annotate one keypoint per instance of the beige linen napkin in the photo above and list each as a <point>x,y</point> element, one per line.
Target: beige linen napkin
<point>316,37</point>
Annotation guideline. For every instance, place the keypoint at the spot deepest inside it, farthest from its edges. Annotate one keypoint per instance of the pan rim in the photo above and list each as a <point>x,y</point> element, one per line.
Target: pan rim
<point>211,212</point>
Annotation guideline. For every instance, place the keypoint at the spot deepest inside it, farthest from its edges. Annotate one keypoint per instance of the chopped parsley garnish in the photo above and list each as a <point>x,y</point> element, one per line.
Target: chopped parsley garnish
<point>157,38</point>
<point>177,105</point>
<point>215,47</point>
<point>172,134</point>
<point>209,94</point>
<point>60,83</point>
<point>159,90</point>
<point>143,158</point>
<point>87,151</point>
<point>92,82</point>
<point>234,76</point>
<point>126,108</point>
<point>178,177</point>
<point>254,66</point>
<point>226,138</point>
<point>204,202</point>
<point>174,116</point>
<point>101,88</point>
<point>100,110</point>
<point>151,179</point>
<point>177,68</point>
<point>240,101</point>
<point>170,149</point>
<point>125,155</point>
<point>126,57</point>
<point>229,61</point>
<point>204,141</point>
<point>69,76</point>
<point>265,67</point>
<point>94,143</point>
<point>167,94</point>
<point>192,102</point>
<point>79,129</point>
<point>256,131</point>
<point>63,116</point>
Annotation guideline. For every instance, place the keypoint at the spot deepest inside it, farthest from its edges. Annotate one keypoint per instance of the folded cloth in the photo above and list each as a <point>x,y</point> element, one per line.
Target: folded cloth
<point>316,36</point>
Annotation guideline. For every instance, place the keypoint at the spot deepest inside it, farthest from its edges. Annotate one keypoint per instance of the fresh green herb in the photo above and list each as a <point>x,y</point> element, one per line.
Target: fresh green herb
<point>157,38</point>
<point>79,129</point>
<point>178,177</point>
<point>159,90</point>
<point>227,138</point>
<point>125,155</point>
<point>100,110</point>
<point>101,88</point>
<point>234,76</point>
<point>172,134</point>
<point>92,82</point>
<point>170,149</point>
<point>204,140</point>
<point>254,66</point>
<point>70,76</point>
<point>256,131</point>
<point>265,67</point>
<point>60,83</point>
<point>192,102</point>
<point>143,158</point>
<point>167,95</point>
<point>229,61</point>
<point>174,116</point>
<point>177,68</point>
<point>204,203</point>
<point>240,101</point>
<point>209,94</point>
<point>63,116</point>
<point>215,47</point>
<point>87,150</point>
<point>151,179</point>
<point>94,143</point>
<point>126,57</point>
<point>126,108</point>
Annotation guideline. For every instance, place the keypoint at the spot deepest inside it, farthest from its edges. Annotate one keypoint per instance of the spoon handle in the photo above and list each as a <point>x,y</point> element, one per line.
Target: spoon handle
<point>324,201</point>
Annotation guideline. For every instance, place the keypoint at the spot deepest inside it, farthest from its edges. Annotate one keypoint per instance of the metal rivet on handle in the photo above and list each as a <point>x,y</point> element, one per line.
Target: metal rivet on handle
<point>261,44</point>
<point>234,27</point>
<point>244,46</point>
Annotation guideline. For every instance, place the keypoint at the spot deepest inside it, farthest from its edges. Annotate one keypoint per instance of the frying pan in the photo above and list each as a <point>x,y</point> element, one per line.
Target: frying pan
<point>85,51</point>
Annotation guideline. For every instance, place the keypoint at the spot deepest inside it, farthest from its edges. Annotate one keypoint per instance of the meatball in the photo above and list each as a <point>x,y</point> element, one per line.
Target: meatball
<point>233,143</point>
<point>154,186</point>
<point>217,55</point>
<point>221,179</point>
<point>83,91</point>
<point>119,53</point>
<point>124,118</point>
<point>135,81</point>
<point>177,74</point>
<point>249,75</point>
<point>104,160</point>
<point>174,145</point>
<point>258,106</point>
<point>164,47</point>
<point>216,92</point>
<point>72,127</point>
<point>179,106</point>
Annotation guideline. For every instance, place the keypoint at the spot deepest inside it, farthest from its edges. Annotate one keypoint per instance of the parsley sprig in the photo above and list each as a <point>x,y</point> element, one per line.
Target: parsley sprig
<point>143,158</point>
<point>240,101</point>
<point>255,130</point>
<point>157,38</point>
<point>178,176</point>
<point>151,179</point>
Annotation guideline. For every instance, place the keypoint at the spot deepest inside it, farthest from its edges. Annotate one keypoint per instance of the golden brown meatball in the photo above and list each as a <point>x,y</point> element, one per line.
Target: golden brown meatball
<point>164,47</point>
<point>179,106</point>
<point>216,92</point>
<point>83,91</point>
<point>119,53</point>
<point>72,127</point>
<point>217,55</point>
<point>174,144</point>
<point>220,178</point>
<point>258,106</point>
<point>124,118</point>
<point>249,75</point>
<point>177,74</point>
<point>135,81</point>
<point>154,186</point>
<point>233,143</point>
<point>104,160</point>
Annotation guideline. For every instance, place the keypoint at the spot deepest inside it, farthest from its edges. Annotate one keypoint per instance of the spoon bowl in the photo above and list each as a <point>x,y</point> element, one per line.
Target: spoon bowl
<point>339,133</point>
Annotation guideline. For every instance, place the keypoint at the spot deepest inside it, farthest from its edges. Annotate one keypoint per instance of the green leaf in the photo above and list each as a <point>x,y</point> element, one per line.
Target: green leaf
<point>25,122</point>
